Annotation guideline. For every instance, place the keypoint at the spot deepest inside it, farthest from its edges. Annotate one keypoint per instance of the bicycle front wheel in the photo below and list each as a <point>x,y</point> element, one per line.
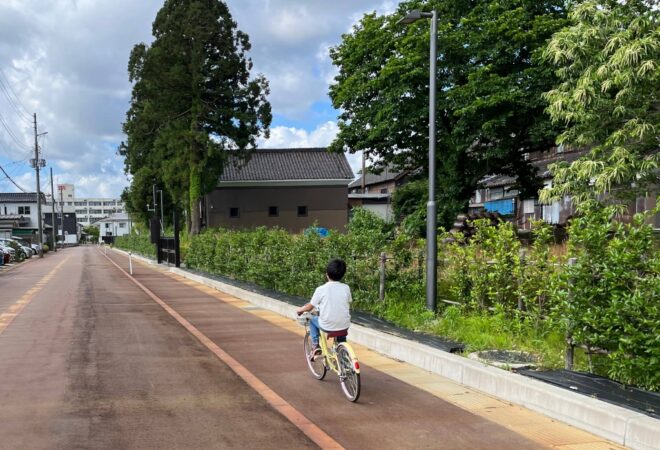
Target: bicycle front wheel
<point>315,364</point>
<point>349,375</point>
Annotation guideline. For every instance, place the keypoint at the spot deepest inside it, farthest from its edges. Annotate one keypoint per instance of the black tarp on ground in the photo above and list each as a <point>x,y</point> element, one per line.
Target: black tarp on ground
<point>602,389</point>
<point>357,317</point>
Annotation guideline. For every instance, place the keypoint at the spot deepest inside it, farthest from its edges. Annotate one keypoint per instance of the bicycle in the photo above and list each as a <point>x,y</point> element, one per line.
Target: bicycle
<point>339,357</point>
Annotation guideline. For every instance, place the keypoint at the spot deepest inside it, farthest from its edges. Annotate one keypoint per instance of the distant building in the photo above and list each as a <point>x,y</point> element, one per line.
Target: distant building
<point>71,232</point>
<point>92,209</point>
<point>497,194</point>
<point>377,193</point>
<point>87,209</point>
<point>19,217</point>
<point>288,188</point>
<point>118,224</point>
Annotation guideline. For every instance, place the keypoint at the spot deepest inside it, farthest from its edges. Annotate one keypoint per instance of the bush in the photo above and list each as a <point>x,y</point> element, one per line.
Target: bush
<point>19,253</point>
<point>509,296</point>
<point>137,242</point>
<point>45,248</point>
<point>609,297</point>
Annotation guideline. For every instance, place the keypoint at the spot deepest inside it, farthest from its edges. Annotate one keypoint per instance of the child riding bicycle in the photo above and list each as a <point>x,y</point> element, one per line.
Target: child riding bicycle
<point>332,300</point>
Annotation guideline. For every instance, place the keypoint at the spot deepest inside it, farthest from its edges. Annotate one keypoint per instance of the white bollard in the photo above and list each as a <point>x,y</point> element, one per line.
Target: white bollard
<point>130,262</point>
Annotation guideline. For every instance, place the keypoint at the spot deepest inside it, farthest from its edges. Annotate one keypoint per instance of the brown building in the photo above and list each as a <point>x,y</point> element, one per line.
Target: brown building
<point>288,188</point>
<point>376,195</point>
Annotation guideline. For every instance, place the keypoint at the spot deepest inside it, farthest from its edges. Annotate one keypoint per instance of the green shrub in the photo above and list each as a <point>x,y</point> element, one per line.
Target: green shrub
<point>609,297</point>
<point>19,253</point>
<point>137,241</point>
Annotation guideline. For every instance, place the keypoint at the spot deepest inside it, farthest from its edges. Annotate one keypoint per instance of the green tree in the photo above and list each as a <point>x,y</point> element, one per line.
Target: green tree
<point>490,81</point>
<point>93,232</point>
<point>608,98</point>
<point>193,100</point>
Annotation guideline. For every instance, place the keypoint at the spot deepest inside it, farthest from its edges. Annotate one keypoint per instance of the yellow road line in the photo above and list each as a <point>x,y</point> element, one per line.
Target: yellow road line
<point>14,310</point>
<point>309,428</point>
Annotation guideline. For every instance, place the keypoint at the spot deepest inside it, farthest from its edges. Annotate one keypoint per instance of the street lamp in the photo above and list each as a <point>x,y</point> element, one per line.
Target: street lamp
<point>431,225</point>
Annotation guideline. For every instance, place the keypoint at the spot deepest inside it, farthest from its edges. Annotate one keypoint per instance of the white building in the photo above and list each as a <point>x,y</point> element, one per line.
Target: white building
<point>89,209</point>
<point>18,215</point>
<point>118,224</point>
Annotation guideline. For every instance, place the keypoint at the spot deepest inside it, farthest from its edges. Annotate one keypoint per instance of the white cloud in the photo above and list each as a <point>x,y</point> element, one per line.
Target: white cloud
<point>322,136</point>
<point>67,61</point>
<point>291,137</point>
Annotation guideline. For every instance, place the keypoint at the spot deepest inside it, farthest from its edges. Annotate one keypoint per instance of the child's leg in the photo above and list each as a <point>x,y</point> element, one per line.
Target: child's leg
<point>314,329</point>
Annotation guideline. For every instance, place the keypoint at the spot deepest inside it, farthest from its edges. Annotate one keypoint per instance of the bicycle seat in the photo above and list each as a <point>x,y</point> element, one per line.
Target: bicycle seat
<point>336,334</point>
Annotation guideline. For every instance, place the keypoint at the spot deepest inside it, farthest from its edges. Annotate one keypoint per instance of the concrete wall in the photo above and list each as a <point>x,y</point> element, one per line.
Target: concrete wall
<point>326,205</point>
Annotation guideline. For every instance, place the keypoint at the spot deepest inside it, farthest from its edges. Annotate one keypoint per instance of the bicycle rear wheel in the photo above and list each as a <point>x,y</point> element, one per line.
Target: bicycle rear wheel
<point>349,377</point>
<point>316,365</point>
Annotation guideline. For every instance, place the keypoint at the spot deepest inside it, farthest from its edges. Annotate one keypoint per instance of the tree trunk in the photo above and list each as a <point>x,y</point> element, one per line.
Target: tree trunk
<point>195,197</point>
<point>194,217</point>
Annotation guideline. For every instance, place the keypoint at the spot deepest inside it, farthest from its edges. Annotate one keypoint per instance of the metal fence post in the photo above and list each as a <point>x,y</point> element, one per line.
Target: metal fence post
<point>177,244</point>
<point>130,262</point>
<point>381,290</point>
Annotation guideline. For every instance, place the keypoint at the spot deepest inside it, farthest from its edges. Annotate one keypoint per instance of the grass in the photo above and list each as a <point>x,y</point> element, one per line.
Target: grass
<point>498,330</point>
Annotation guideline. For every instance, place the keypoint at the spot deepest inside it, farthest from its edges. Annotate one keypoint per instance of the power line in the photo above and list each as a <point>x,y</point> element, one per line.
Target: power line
<point>13,136</point>
<point>12,180</point>
<point>15,102</point>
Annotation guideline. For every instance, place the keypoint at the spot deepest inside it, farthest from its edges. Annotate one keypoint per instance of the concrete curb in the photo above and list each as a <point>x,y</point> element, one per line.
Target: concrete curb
<point>620,425</point>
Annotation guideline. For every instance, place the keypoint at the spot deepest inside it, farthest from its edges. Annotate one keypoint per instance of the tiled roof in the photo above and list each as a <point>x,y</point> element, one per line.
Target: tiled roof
<point>288,164</point>
<point>20,197</point>
<point>387,174</point>
<point>116,217</point>
<point>541,166</point>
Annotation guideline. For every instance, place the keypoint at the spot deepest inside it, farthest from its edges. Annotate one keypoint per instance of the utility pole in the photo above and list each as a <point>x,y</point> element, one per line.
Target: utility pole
<point>37,163</point>
<point>62,210</point>
<point>53,220</point>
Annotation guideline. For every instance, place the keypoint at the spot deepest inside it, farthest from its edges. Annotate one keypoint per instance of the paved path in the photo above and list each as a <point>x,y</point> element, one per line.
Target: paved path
<point>88,359</point>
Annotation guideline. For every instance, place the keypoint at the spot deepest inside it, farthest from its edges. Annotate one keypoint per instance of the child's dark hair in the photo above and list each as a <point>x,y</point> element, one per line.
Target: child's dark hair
<point>336,269</point>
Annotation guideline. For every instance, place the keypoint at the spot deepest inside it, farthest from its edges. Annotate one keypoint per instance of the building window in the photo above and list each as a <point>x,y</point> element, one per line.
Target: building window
<point>273,211</point>
<point>107,225</point>
<point>122,224</point>
<point>24,210</point>
<point>234,212</point>
<point>383,191</point>
<point>302,211</point>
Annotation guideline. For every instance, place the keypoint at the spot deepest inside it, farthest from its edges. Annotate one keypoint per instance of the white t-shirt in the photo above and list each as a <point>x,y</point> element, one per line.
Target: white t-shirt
<point>333,300</point>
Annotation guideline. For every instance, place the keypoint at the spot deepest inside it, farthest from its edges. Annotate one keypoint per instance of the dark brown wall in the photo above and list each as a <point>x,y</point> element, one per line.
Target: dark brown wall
<point>326,205</point>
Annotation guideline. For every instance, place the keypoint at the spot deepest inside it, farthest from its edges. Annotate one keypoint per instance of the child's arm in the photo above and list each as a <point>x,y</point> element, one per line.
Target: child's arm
<point>304,308</point>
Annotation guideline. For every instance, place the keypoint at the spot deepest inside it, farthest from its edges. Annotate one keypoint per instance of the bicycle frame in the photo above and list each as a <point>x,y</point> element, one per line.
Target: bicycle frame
<point>330,354</point>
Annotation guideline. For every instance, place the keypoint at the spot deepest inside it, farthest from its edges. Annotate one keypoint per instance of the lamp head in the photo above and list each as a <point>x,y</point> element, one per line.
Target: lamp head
<point>413,16</point>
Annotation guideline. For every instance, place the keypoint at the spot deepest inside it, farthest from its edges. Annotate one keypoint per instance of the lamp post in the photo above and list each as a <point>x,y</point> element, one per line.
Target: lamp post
<point>431,219</point>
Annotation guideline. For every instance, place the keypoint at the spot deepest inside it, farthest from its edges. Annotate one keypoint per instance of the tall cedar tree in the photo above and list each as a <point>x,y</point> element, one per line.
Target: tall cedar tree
<point>490,81</point>
<point>193,100</point>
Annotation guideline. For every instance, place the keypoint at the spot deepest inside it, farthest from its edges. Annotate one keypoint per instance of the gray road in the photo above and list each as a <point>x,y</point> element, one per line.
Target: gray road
<point>89,360</point>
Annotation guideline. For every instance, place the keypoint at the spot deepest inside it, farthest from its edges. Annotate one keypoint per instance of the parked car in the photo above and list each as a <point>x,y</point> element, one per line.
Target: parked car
<point>20,254</point>
<point>27,247</point>
<point>8,253</point>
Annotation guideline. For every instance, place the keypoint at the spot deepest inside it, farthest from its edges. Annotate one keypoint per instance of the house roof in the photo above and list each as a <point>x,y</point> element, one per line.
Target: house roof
<point>288,164</point>
<point>20,197</point>
<point>541,165</point>
<point>116,217</point>
<point>388,173</point>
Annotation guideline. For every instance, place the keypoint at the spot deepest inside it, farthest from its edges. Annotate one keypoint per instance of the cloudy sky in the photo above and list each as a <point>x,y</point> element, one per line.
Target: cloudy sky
<point>66,61</point>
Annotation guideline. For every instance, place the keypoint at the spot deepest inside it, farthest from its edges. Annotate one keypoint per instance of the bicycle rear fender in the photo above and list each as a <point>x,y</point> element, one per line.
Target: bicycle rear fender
<point>356,363</point>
